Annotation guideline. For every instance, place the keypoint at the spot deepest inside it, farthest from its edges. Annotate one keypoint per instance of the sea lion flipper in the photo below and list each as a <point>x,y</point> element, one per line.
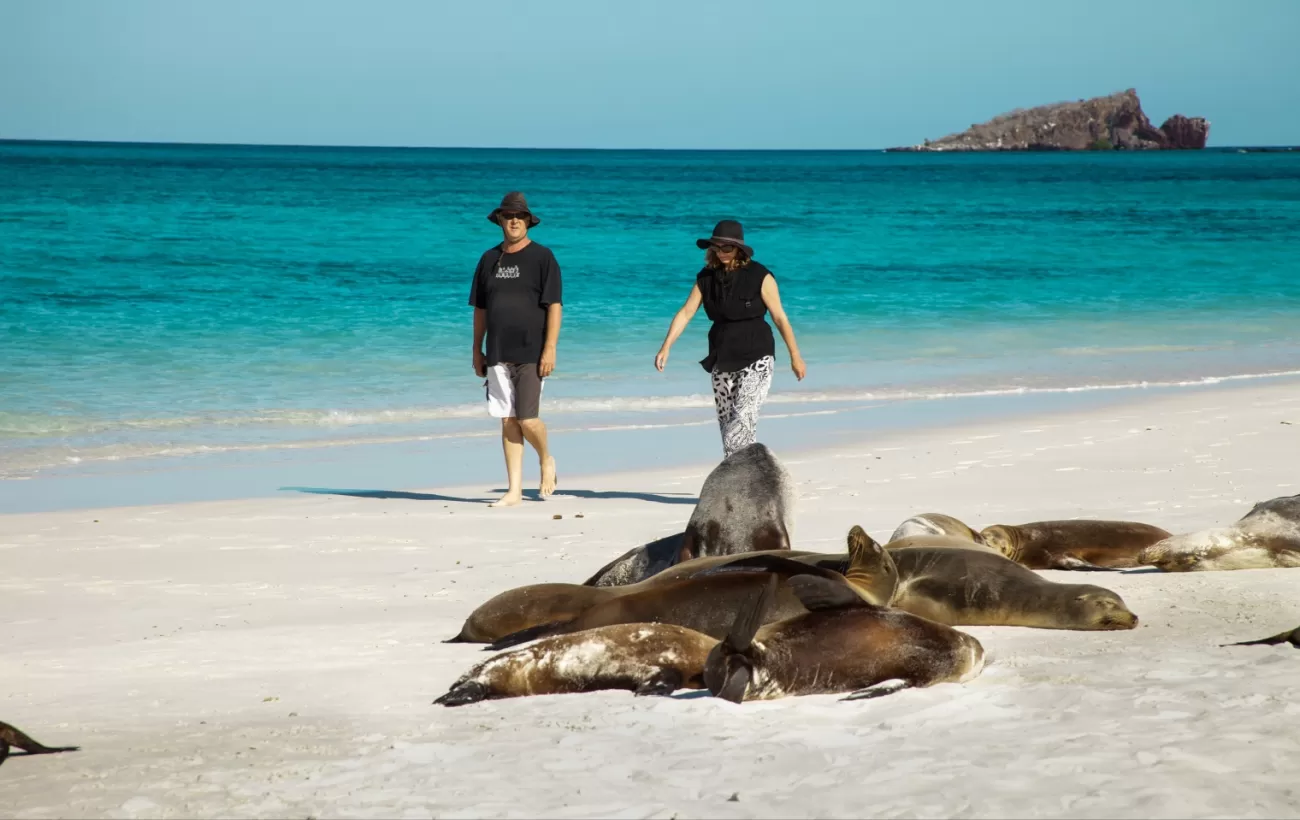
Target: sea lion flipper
<point>750,619</point>
<point>771,562</point>
<point>816,593</point>
<point>878,690</point>
<point>662,683</point>
<point>1291,636</point>
<point>1072,563</point>
<point>467,692</point>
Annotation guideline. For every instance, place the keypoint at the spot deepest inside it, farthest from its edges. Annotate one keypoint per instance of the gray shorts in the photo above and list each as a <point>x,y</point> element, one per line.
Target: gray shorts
<point>514,390</point>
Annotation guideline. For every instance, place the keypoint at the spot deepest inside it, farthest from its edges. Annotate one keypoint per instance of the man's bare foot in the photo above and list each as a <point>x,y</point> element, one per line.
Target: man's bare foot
<point>548,478</point>
<point>508,500</point>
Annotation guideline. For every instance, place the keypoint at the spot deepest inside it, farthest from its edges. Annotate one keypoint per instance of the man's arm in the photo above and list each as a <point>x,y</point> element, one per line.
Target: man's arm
<point>480,330</point>
<point>554,312</point>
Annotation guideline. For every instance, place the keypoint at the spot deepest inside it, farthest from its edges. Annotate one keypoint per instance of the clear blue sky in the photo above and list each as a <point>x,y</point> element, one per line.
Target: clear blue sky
<point>629,73</point>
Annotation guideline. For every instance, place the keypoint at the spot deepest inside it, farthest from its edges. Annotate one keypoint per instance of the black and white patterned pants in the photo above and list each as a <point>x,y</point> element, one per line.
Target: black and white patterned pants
<point>737,397</point>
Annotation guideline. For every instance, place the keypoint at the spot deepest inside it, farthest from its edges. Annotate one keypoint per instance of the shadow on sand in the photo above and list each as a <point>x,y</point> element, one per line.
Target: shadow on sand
<point>658,498</point>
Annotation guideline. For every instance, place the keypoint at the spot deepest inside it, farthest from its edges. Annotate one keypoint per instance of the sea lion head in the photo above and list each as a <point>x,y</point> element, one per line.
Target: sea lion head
<point>1003,538</point>
<point>872,571</point>
<point>1101,609</point>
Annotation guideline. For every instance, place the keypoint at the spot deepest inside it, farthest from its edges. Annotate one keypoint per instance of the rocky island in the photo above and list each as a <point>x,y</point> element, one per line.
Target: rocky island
<point>1101,123</point>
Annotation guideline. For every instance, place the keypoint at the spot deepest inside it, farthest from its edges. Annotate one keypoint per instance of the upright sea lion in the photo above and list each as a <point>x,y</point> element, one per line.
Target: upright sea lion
<point>12,736</point>
<point>935,524</point>
<point>535,605</point>
<point>1266,537</point>
<point>971,587</point>
<point>1292,637</point>
<point>649,659</point>
<point>639,563</point>
<point>746,505</point>
<point>843,644</point>
<point>1074,544</point>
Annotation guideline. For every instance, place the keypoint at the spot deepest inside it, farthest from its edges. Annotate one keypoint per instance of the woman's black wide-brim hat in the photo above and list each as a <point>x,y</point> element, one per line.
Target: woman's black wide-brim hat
<point>727,232</point>
<point>513,201</point>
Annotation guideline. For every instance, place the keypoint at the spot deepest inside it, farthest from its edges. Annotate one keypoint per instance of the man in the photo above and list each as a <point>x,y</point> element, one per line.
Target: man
<point>516,299</point>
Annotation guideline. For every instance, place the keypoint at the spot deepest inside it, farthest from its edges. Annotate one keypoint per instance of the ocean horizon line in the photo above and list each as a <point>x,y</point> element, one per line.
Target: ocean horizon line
<point>574,149</point>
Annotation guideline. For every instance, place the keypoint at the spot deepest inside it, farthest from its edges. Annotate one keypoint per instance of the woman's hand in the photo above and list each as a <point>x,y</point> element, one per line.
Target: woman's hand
<point>797,365</point>
<point>661,359</point>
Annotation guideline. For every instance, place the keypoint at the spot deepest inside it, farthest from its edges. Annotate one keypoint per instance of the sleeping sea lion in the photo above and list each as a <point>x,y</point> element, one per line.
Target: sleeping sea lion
<point>843,644</point>
<point>648,659</point>
<point>534,605</point>
<point>1074,544</point>
<point>13,736</point>
<point>935,524</point>
<point>954,541</point>
<point>746,505</point>
<point>1266,537</point>
<point>708,600</point>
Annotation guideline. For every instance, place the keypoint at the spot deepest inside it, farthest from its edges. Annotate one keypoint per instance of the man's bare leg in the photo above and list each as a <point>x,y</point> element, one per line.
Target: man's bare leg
<point>512,443</point>
<point>535,431</point>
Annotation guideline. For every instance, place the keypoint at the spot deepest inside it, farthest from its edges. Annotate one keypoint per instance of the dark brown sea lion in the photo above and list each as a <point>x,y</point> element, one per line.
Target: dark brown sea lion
<point>746,505</point>
<point>648,659</point>
<point>639,563</point>
<point>935,524</point>
<point>843,644</point>
<point>534,605</point>
<point>1292,637</point>
<point>1086,544</point>
<point>708,601</point>
<point>12,736</point>
<point>1267,537</point>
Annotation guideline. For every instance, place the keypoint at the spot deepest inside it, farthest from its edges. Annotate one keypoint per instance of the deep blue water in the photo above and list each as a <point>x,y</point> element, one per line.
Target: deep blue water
<point>189,299</point>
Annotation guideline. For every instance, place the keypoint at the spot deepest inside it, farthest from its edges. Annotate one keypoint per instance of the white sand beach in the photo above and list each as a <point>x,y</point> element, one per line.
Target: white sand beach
<point>277,657</point>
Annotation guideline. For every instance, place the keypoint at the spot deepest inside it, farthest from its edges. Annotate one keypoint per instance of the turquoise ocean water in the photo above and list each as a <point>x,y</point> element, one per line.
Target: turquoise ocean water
<point>177,303</point>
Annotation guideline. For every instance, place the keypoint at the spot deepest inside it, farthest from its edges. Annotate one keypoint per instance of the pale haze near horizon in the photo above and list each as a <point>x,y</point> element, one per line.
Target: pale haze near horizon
<point>589,74</point>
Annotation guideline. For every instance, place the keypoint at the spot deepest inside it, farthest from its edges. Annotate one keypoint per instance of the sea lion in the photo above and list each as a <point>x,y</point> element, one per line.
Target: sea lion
<point>971,587</point>
<point>746,505</point>
<point>12,736</point>
<point>707,600</point>
<point>935,524</point>
<point>649,659</point>
<point>639,563</point>
<point>1266,537</point>
<point>534,605</point>
<point>1292,637</point>
<point>1085,544</point>
<point>843,644</point>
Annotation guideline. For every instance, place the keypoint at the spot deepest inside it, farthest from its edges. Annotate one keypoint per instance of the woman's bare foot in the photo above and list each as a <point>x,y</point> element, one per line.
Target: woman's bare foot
<point>508,500</point>
<point>548,478</point>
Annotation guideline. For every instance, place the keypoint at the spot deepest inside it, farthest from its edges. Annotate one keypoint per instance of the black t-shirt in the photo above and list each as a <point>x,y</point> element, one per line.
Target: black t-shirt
<point>514,289</point>
<point>739,336</point>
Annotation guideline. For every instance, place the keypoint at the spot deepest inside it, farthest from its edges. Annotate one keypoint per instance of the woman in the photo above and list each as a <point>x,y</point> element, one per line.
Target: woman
<point>736,292</point>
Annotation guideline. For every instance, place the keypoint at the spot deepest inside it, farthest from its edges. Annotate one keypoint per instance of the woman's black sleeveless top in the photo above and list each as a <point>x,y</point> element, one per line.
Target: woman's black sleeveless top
<point>739,335</point>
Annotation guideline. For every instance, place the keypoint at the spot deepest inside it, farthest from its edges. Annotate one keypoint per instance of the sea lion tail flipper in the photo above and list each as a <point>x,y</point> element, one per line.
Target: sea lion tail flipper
<point>462,693</point>
<point>662,682</point>
<point>879,690</point>
<point>529,634</point>
<point>816,592</point>
<point>1070,562</point>
<point>459,637</point>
